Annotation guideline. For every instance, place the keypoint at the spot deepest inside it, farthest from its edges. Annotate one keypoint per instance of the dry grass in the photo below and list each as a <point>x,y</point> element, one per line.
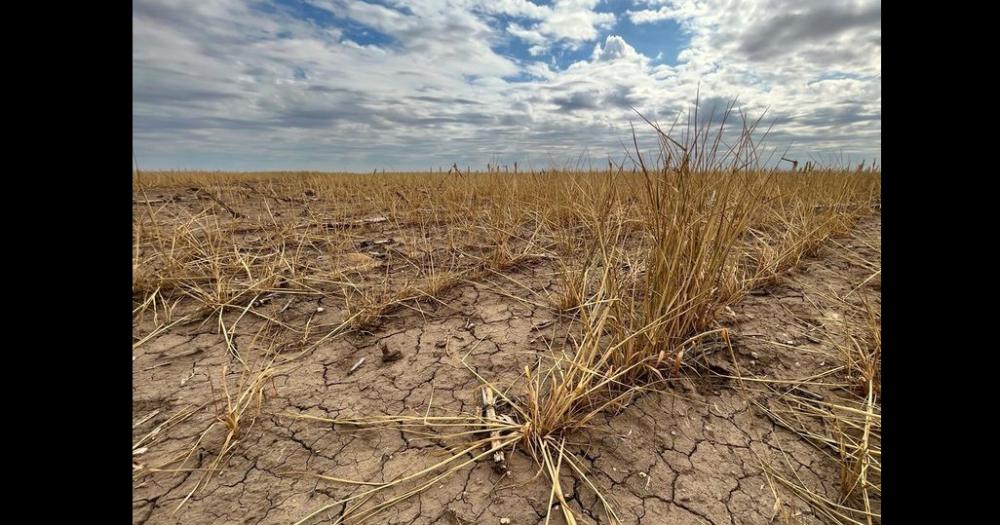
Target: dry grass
<point>847,428</point>
<point>237,404</point>
<point>647,258</point>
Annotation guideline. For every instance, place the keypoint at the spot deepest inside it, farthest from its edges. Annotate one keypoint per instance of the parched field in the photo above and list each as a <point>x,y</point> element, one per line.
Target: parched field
<point>684,345</point>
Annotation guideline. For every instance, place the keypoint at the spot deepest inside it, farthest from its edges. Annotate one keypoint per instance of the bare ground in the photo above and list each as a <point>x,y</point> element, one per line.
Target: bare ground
<point>693,453</point>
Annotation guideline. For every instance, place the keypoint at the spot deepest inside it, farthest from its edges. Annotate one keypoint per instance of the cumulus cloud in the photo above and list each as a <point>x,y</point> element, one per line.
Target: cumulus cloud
<point>615,48</point>
<point>530,36</point>
<point>565,22</point>
<point>776,36</point>
<point>575,20</point>
<point>338,84</point>
<point>523,8</point>
<point>648,16</point>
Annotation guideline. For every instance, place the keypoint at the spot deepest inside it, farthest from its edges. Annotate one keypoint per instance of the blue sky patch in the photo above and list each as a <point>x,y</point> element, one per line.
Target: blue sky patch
<point>663,39</point>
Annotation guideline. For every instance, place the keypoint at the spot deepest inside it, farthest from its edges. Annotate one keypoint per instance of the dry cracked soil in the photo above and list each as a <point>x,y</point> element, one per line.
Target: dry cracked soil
<point>693,453</point>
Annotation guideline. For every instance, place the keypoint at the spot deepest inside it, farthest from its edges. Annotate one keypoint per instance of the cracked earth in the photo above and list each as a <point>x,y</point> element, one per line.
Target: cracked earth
<point>693,453</point>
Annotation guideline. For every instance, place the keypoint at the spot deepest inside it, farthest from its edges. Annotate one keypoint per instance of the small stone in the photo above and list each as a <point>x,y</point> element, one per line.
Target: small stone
<point>755,355</point>
<point>389,355</point>
<point>504,521</point>
<point>320,309</point>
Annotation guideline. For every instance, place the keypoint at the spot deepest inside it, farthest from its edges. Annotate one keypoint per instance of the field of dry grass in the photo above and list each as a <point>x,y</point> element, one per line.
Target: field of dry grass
<point>686,339</point>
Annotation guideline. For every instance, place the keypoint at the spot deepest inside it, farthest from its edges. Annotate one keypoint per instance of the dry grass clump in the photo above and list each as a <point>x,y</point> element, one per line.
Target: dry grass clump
<point>572,282</point>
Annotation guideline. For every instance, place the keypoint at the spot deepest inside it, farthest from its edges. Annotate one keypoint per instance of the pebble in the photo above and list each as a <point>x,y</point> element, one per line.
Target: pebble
<point>320,309</point>
<point>504,521</point>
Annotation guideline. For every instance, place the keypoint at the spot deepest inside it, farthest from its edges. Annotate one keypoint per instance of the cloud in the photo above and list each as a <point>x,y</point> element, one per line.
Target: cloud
<point>521,8</point>
<point>566,22</point>
<point>337,84</point>
<point>623,97</point>
<point>615,48</point>
<point>577,101</point>
<point>784,32</point>
<point>795,33</point>
<point>539,70</point>
<point>576,21</point>
<point>530,36</point>
<point>649,16</point>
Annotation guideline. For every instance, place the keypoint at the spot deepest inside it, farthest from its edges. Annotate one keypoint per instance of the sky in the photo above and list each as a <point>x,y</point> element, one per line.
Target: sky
<point>343,85</point>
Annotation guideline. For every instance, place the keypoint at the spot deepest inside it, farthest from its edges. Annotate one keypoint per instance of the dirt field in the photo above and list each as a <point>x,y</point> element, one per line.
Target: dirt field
<point>343,309</point>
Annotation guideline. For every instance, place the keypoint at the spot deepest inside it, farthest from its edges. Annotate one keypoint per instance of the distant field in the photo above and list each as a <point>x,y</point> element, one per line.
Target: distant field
<point>656,342</point>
